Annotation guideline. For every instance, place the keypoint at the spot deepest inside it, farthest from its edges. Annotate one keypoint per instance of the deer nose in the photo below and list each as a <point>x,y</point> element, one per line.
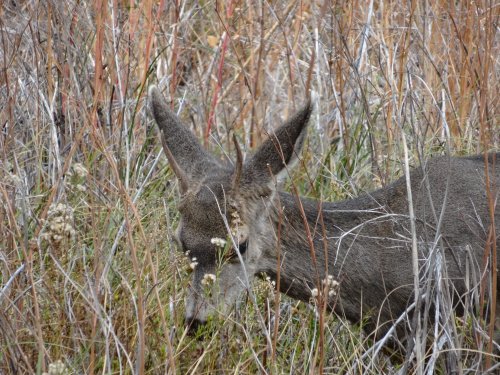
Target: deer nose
<point>193,324</point>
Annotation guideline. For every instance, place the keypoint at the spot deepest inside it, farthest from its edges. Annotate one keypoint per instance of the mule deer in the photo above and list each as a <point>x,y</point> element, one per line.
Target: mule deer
<point>365,243</point>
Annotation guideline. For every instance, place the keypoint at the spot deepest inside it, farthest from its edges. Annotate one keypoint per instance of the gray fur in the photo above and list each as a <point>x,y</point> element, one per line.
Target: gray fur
<point>367,239</point>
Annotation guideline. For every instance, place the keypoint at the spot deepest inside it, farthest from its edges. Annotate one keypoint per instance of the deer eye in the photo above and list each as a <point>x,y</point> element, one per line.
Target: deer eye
<point>243,247</point>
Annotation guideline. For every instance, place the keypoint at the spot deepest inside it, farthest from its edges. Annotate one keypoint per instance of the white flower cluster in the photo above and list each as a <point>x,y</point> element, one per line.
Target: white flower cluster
<point>272,283</point>
<point>219,242</point>
<point>208,279</point>
<point>57,368</point>
<point>330,285</point>
<point>59,223</point>
<point>193,263</point>
<point>266,288</point>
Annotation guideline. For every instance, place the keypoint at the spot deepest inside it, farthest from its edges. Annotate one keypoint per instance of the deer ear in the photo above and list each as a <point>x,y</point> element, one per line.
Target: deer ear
<point>280,151</point>
<point>181,146</point>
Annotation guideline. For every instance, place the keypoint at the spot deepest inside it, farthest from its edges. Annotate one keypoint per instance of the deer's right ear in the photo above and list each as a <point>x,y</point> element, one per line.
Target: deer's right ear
<point>280,151</point>
<point>187,158</point>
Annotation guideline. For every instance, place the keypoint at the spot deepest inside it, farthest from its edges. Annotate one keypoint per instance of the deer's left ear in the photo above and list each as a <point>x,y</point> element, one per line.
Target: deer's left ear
<point>280,151</point>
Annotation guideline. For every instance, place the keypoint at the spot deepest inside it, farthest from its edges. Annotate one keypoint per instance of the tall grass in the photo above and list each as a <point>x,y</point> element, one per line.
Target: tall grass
<point>89,275</point>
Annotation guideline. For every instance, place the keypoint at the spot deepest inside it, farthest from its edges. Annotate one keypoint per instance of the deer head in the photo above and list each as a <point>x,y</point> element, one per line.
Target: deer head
<point>225,210</point>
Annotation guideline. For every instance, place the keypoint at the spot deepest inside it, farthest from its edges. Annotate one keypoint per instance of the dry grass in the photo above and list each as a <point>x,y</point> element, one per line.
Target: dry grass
<point>88,271</point>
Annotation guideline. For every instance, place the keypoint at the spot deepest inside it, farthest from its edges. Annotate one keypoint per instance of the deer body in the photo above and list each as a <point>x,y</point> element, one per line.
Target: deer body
<point>368,240</point>
<point>365,243</point>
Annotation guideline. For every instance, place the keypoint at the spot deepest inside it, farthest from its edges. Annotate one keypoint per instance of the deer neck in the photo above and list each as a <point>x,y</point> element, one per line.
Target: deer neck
<point>310,244</point>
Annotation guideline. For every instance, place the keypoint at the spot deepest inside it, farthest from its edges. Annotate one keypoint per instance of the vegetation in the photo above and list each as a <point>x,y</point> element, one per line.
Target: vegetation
<point>90,280</point>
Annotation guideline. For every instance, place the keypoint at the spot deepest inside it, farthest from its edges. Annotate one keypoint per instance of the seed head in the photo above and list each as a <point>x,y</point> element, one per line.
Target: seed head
<point>208,279</point>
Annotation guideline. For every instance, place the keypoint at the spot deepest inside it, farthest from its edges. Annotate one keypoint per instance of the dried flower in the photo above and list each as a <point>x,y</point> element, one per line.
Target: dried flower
<point>79,170</point>
<point>208,279</point>
<point>59,223</point>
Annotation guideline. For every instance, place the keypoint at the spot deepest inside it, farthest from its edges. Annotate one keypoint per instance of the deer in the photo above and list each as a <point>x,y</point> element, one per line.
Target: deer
<point>362,247</point>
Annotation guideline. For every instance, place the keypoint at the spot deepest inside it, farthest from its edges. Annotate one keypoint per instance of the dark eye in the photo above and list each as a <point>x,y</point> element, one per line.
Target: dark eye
<point>243,247</point>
